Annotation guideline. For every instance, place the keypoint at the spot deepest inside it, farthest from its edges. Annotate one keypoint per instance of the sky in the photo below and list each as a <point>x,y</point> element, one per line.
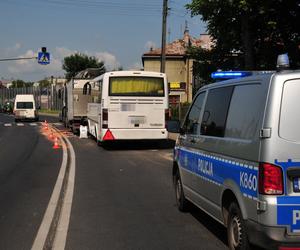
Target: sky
<point>116,32</point>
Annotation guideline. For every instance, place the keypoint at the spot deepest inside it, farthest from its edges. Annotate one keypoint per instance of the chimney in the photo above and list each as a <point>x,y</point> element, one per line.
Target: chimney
<point>186,35</point>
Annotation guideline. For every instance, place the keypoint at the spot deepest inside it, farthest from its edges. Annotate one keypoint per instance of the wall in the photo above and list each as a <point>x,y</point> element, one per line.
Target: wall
<point>176,70</point>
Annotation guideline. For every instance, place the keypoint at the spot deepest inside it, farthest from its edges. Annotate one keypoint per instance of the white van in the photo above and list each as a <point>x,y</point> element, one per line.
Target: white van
<point>25,108</point>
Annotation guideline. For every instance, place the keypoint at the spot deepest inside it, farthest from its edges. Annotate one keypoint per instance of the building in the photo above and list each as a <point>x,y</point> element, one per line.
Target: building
<point>179,67</point>
<point>5,83</point>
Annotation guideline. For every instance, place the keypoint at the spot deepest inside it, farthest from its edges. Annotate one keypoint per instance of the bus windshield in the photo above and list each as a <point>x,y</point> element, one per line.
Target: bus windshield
<point>136,86</point>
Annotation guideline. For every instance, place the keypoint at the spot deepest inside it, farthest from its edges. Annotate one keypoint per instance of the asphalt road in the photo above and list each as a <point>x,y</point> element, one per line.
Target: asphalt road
<point>28,171</point>
<point>124,199</point>
<point>123,196</point>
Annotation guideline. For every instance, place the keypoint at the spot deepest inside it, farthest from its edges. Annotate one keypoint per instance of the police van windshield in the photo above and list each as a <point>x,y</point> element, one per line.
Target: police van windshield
<point>24,105</point>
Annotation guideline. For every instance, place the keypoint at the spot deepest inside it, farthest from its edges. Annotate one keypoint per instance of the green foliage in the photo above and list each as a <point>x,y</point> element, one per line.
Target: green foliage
<point>74,63</point>
<point>44,83</point>
<point>254,31</point>
<point>21,84</point>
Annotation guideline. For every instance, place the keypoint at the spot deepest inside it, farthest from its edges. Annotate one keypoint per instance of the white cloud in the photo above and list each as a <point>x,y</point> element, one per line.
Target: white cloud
<point>17,46</point>
<point>61,52</point>
<point>110,60</point>
<point>27,68</point>
<point>11,51</point>
<point>136,66</point>
<point>150,45</point>
<point>31,66</point>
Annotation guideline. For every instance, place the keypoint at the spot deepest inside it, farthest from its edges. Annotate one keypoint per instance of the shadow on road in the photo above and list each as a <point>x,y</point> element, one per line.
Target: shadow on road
<point>138,145</point>
<point>209,223</point>
<point>212,225</point>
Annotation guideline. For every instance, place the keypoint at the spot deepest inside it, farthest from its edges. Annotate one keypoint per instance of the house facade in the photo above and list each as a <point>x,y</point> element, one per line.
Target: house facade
<point>179,67</point>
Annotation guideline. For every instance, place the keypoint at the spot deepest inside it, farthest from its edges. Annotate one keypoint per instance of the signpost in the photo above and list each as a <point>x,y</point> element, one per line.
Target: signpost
<point>43,56</point>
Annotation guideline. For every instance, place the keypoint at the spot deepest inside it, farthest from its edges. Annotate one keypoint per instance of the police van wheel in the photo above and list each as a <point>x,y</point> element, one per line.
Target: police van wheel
<point>236,230</point>
<point>181,201</point>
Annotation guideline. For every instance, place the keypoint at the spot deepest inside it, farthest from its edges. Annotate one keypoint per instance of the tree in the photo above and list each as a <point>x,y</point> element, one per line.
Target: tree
<point>21,84</point>
<point>75,63</point>
<point>249,34</point>
<point>44,83</point>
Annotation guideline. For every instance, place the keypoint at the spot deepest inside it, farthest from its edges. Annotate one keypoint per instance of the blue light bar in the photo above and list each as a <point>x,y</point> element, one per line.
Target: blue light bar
<point>229,74</point>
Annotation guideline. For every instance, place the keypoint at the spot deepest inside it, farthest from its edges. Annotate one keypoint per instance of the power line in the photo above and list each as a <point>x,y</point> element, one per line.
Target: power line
<point>104,7</point>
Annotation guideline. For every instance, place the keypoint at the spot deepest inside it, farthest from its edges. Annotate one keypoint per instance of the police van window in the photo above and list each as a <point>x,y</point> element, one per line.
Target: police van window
<point>215,111</point>
<point>290,112</point>
<point>243,118</point>
<point>191,125</point>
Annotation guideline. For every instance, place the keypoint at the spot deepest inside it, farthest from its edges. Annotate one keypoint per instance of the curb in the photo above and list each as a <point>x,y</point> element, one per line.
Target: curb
<point>48,114</point>
<point>173,136</point>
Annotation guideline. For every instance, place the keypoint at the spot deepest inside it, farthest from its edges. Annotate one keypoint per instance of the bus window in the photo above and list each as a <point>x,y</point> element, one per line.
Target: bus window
<point>136,86</point>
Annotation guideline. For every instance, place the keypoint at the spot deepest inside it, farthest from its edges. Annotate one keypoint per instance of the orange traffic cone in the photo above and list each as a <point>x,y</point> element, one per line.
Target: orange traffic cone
<point>51,136</point>
<point>56,145</point>
<point>45,125</point>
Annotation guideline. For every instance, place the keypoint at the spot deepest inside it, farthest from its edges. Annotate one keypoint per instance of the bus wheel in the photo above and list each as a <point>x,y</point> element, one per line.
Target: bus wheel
<point>236,229</point>
<point>181,201</point>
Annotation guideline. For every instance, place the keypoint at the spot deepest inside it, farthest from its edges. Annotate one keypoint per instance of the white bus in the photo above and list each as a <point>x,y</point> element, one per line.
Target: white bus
<point>133,106</point>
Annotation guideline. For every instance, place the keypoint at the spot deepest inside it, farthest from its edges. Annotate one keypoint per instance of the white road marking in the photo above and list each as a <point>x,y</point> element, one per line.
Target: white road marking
<point>167,156</point>
<point>63,223</point>
<point>33,124</point>
<point>20,124</point>
<point>7,124</point>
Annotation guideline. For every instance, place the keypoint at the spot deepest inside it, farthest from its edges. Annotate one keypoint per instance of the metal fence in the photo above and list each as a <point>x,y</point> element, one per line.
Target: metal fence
<point>179,110</point>
<point>45,98</point>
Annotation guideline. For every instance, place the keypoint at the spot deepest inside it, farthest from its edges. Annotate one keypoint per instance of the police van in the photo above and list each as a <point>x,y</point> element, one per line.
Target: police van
<point>237,157</point>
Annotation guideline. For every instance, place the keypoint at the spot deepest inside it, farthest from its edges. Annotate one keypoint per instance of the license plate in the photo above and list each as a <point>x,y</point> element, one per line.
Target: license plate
<point>296,184</point>
<point>137,120</point>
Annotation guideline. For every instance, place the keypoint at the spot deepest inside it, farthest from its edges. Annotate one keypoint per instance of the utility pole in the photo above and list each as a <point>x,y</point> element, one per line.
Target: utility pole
<point>52,93</point>
<point>163,37</point>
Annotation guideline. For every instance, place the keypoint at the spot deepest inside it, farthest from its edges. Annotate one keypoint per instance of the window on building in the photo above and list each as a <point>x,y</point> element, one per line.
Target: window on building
<point>87,89</point>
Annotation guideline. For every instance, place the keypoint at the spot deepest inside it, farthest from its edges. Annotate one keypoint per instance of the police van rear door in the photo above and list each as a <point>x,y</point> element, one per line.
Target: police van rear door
<point>283,149</point>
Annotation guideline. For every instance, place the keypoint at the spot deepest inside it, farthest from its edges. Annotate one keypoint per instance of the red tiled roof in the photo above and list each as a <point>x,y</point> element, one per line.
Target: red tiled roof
<point>179,46</point>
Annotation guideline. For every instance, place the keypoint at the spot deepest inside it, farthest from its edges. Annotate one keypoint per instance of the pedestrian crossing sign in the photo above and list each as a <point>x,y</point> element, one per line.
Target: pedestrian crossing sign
<point>43,58</point>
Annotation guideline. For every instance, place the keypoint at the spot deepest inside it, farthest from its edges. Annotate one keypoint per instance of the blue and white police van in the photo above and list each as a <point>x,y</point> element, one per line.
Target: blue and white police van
<point>237,157</point>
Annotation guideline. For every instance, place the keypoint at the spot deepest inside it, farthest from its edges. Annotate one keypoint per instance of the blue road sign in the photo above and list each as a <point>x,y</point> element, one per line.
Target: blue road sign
<point>43,58</point>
